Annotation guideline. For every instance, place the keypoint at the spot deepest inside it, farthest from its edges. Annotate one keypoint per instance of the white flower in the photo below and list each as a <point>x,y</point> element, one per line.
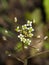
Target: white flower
<point>24,27</point>
<point>34,21</point>
<point>17,27</point>
<point>25,47</point>
<point>24,40</point>
<point>21,39</point>
<point>31,29</point>
<point>38,36</point>
<point>15,19</point>
<point>6,31</point>
<point>30,34</point>
<point>37,49</point>
<point>18,30</point>
<point>4,38</point>
<point>27,28</point>
<point>45,37</point>
<point>9,54</point>
<point>29,23</point>
<point>20,36</point>
<point>28,41</point>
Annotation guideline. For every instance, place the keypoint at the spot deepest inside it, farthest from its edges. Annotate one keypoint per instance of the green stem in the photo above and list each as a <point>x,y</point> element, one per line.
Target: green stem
<point>25,62</point>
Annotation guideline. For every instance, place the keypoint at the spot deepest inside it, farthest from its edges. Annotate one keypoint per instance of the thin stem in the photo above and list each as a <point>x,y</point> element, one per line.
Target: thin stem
<point>39,54</point>
<point>25,62</point>
<point>13,55</point>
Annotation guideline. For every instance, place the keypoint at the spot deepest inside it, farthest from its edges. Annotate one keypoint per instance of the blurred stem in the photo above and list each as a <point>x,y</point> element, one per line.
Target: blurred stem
<point>25,62</point>
<point>38,54</point>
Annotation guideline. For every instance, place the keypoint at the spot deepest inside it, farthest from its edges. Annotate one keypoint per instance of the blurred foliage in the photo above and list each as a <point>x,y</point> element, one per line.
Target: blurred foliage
<point>34,15</point>
<point>18,47</point>
<point>46,5</point>
<point>4,5</point>
<point>9,9</point>
<point>23,2</point>
<point>46,45</point>
<point>9,33</point>
<point>7,20</point>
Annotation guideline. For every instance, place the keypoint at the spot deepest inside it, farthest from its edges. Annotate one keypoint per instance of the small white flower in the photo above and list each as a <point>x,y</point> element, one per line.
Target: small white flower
<point>24,27</point>
<point>38,36</point>
<point>32,29</point>
<point>29,31</point>
<point>27,28</point>
<point>4,38</point>
<point>25,47</point>
<point>18,30</point>
<point>6,31</point>
<point>29,23</point>
<point>30,34</point>
<point>15,19</point>
<point>17,27</point>
<point>45,37</point>
<point>21,37</point>
<point>9,54</point>
<point>34,21</point>
<point>28,41</point>
<point>18,36</point>
<point>37,49</point>
<point>24,40</point>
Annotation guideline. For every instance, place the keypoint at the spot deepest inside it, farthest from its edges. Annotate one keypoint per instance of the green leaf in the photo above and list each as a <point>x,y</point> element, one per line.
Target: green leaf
<point>46,45</point>
<point>35,15</point>
<point>7,19</point>
<point>9,34</point>
<point>18,47</point>
<point>4,4</point>
<point>46,6</point>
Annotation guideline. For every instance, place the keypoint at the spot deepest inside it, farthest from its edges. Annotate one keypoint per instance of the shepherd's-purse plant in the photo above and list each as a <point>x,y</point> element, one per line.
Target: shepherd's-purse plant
<point>26,33</point>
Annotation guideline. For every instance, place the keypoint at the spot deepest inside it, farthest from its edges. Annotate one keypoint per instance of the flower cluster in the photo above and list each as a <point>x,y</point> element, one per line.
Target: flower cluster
<point>25,33</point>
